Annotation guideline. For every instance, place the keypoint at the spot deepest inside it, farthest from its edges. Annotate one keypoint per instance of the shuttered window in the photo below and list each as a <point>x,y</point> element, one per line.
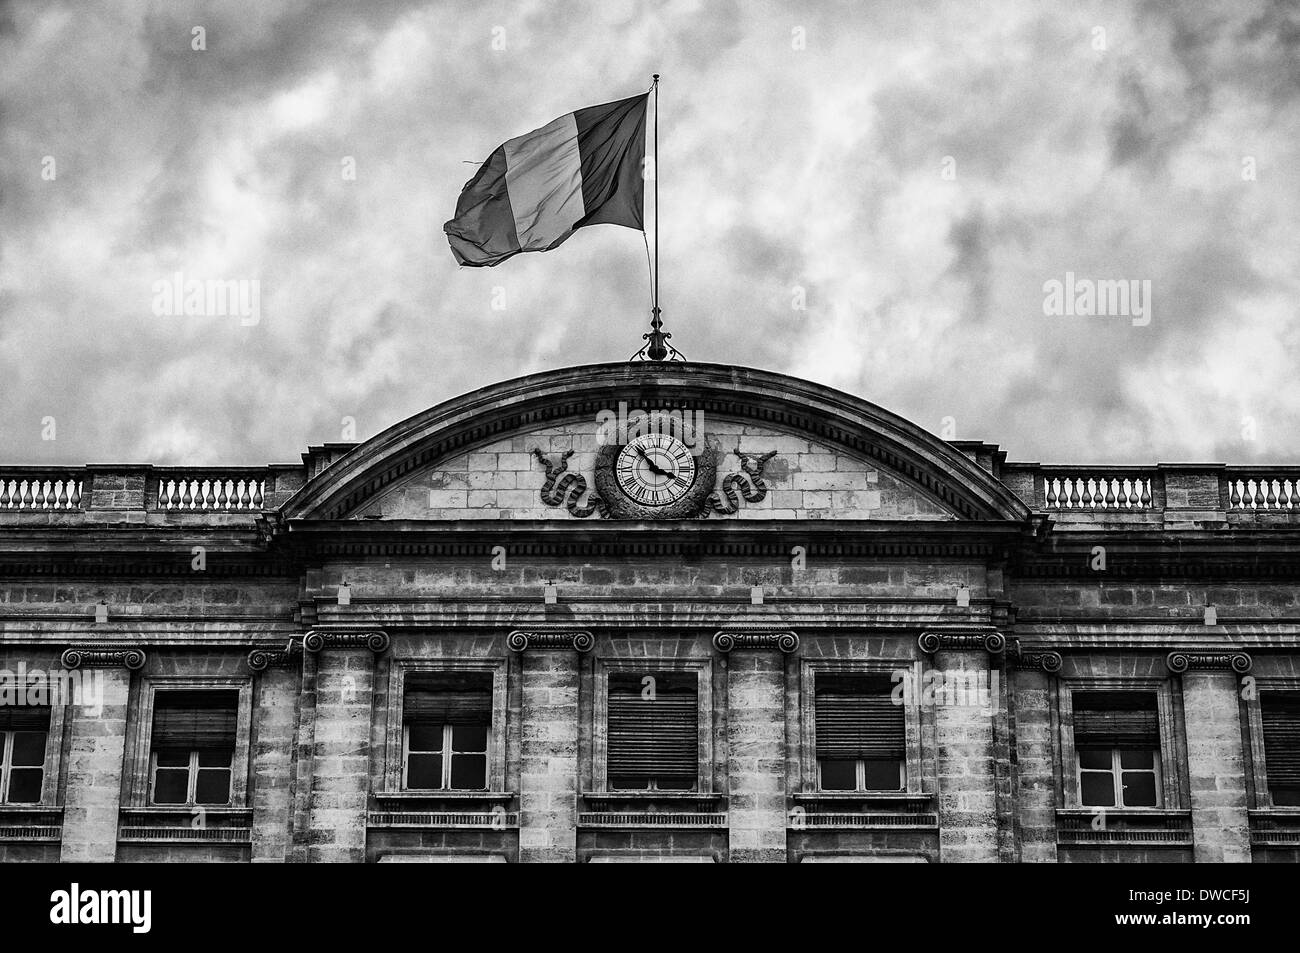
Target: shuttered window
<point>446,717</point>
<point>23,732</point>
<point>860,733</point>
<point>1117,746</point>
<point>652,732</point>
<point>193,742</point>
<point>1281,716</point>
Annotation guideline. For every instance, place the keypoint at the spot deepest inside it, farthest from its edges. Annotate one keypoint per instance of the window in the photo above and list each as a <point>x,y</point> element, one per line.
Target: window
<point>1117,745</point>
<point>652,732</point>
<point>23,731</point>
<point>1281,717</point>
<point>861,742</point>
<point>193,746</point>
<point>445,722</point>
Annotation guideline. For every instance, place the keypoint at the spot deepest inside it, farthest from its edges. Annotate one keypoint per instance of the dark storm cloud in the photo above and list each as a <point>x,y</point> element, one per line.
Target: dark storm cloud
<point>803,155</point>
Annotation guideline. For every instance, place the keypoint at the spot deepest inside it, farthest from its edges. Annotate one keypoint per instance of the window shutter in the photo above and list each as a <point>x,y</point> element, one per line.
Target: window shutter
<point>194,719</point>
<point>653,738</point>
<point>449,698</point>
<point>1281,714</point>
<point>856,717</point>
<point>1116,719</point>
<point>24,718</point>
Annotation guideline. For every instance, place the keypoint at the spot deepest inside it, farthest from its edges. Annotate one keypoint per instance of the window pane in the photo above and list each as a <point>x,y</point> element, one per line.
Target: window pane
<point>674,784</point>
<point>1097,789</point>
<point>469,772</point>
<point>839,775</point>
<point>883,775</point>
<point>629,783</point>
<point>173,758</point>
<point>213,786</point>
<point>1285,797</point>
<point>170,785</point>
<point>215,757</point>
<point>425,737</point>
<point>469,738</point>
<point>1139,789</point>
<point>1137,758</point>
<point>29,748</point>
<point>424,771</point>
<point>1095,758</point>
<point>25,785</point>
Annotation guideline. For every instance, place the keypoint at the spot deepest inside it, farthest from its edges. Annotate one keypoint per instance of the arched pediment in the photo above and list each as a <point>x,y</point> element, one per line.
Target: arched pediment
<point>747,412</point>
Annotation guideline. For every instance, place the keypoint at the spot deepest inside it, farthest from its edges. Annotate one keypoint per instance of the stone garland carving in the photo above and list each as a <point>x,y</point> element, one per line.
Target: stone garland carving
<point>580,640</point>
<point>318,639</point>
<point>782,640</point>
<point>992,642</point>
<point>1180,662</point>
<point>565,489</point>
<point>103,656</point>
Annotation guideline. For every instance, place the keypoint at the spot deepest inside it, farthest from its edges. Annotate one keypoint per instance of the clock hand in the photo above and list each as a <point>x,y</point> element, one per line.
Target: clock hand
<point>652,465</point>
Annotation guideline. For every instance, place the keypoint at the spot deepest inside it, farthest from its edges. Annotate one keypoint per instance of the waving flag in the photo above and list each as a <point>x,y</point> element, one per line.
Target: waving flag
<point>582,169</point>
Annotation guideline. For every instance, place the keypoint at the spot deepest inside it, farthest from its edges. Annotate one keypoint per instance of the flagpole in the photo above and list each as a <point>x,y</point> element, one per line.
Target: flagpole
<point>655,87</point>
<point>656,347</point>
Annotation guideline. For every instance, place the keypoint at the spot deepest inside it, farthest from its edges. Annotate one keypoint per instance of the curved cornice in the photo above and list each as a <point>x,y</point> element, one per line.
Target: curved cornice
<point>831,416</point>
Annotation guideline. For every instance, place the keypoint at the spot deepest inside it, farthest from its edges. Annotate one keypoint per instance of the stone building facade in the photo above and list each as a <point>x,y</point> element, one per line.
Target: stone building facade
<point>761,621</point>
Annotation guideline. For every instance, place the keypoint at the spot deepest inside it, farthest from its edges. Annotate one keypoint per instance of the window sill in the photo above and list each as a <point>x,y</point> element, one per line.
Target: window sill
<point>30,824</point>
<point>1275,827</point>
<point>1147,826</point>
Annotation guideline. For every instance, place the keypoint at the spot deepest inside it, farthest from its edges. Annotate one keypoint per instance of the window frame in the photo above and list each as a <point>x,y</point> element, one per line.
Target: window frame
<point>446,752</point>
<point>810,769</point>
<point>1169,790</point>
<point>703,669</point>
<point>6,766</point>
<point>395,739</point>
<point>192,779</point>
<point>1116,772</point>
<point>1263,799</point>
<point>141,757</point>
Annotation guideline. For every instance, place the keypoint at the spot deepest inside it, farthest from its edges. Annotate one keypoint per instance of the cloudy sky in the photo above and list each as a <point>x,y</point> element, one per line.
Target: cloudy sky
<point>919,170</point>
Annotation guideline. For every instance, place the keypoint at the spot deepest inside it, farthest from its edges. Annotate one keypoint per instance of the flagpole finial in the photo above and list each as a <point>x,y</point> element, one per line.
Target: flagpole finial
<point>656,347</point>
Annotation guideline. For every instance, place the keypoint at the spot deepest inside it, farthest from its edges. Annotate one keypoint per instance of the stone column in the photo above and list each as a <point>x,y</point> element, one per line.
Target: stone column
<point>548,781</point>
<point>340,777</point>
<point>275,707</point>
<point>968,797</point>
<point>1035,795</point>
<point>1216,761</point>
<point>96,753</point>
<point>756,779</point>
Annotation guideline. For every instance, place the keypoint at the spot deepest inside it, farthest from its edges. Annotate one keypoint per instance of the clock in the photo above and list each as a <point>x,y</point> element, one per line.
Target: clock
<point>655,469</point>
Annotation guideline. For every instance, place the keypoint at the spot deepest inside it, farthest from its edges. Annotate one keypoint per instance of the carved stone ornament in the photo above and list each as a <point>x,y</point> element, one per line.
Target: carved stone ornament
<point>1180,662</point>
<point>375,640</point>
<point>613,501</point>
<point>103,656</point>
<point>995,643</point>
<point>782,640</point>
<point>260,659</point>
<point>579,640</point>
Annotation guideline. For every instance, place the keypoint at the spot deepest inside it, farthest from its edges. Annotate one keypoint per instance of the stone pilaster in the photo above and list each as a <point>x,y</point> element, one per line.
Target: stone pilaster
<point>96,753</point>
<point>1216,761</point>
<point>964,733</point>
<point>548,783</point>
<point>757,811</point>
<point>340,750</point>
<point>1035,795</point>
<point>275,707</point>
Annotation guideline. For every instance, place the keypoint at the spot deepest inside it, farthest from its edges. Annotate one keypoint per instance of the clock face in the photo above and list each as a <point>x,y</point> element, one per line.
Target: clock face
<point>655,469</point>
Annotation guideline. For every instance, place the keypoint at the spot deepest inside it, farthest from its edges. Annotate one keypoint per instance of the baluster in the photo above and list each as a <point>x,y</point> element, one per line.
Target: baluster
<point>27,494</point>
<point>1271,499</point>
<point>1288,499</point>
<point>63,494</point>
<point>1133,498</point>
<point>1074,492</point>
<point>257,494</point>
<point>210,496</point>
<point>187,498</point>
<point>244,497</point>
<point>1110,493</point>
<point>1146,493</point>
<point>74,501</point>
<point>1234,496</point>
<point>223,498</point>
<point>5,496</point>
<point>1049,492</point>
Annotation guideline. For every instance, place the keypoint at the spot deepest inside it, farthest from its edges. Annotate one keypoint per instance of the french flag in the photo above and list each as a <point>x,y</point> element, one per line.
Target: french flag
<point>584,168</point>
